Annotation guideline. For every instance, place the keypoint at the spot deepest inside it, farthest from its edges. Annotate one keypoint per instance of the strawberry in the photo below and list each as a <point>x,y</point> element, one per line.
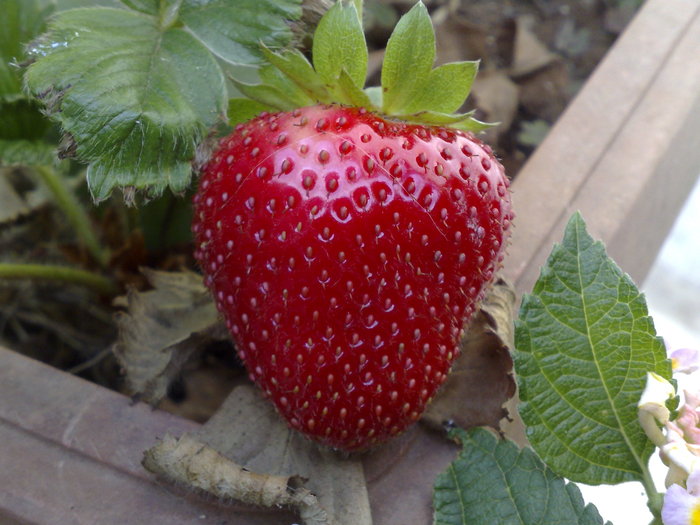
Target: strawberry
<point>347,249</point>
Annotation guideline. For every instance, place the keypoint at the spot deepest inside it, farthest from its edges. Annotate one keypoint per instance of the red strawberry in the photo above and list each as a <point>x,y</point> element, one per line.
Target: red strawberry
<point>346,253</point>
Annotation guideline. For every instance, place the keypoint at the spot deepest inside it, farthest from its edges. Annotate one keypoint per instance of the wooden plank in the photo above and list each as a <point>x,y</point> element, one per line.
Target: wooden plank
<point>623,153</point>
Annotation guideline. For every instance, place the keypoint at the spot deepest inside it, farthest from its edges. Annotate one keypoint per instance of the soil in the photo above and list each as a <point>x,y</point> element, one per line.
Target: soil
<point>535,56</point>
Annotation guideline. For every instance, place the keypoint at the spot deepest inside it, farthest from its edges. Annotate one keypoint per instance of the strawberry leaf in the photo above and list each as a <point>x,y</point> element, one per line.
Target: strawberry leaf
<point>26,153</point>
<point>136,102</point>
<point>339,44</point>
<point>493,481</point>
<point>20,22</point>
<point>584,344</point>
<point>233,30</point>
<point>409,57</point>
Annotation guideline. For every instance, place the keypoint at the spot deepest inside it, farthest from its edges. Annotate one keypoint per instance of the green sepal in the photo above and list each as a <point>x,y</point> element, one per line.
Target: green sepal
<point>339,44</point>
<point>473,125</point>
<point>265,94</point>
<point>243,109</point>
<point>150,7</point>
<point>446,89</point>
<point>351,93</point>
<point>299,70</point>
<point>408,60</point>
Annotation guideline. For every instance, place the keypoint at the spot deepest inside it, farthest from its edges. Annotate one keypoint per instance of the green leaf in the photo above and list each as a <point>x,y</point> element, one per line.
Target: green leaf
<point>150,7</point>
<point>135,98</point>
<point>22,119</point>
<point>339,44</point>
<point>409,57</point>
<point>492,481</point>
<point>20,22</point>
<point>233,29</point>
<point>243,109</point>
<point>448,86</point>
<point>584,344</point>
<point>26,153</point>
<point>297,68</point>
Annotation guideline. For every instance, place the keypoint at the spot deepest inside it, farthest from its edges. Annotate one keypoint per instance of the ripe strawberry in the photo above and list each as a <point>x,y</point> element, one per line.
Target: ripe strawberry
<point>346,253</point>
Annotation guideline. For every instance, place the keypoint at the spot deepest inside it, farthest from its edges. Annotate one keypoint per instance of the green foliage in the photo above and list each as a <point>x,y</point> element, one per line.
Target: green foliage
<point>409,57</point>
<point>26,153</point>
<point>339,45</point>
<point>136,90</point>
<point>492,481</point>
<point>411,89</point>
<point>135,98</point>
<point>21,21</point>
<point>233,29</point>
<point>584,344</point>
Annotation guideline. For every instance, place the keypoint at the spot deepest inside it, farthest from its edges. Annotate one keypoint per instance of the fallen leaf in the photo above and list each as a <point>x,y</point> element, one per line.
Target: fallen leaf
<point>529,54</point>
<point>12,205</point>
<point>246,452</point>
<point>163,328</point>
<point>546,93</point>
<point>481,380</point>
<point>497,97</point>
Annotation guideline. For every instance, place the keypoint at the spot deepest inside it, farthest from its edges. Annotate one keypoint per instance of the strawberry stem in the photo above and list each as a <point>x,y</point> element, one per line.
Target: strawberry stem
<point>75,213</point>
<point>51,272</point>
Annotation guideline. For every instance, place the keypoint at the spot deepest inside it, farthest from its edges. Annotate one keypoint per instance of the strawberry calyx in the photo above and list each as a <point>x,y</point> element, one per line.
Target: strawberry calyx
<point>411,89</point>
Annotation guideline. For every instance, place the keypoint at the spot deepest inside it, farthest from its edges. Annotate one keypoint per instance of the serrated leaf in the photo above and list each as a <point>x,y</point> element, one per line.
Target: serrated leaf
<point>26,153</point>
<point>448,88</point>
<point>409,57</point>
<point>339,45</point>
<point>233,29</point>
<point>20,22</point>
<point>299,70</point>
<point>243,109</point>
<point>492,481</point>
<point>134,97</point>
<point>584,344</point>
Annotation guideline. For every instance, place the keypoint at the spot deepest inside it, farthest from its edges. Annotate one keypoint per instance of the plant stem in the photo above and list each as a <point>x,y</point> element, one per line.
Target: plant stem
<point>655,500</point>
<point>51,272</point>
<point>75,213</point>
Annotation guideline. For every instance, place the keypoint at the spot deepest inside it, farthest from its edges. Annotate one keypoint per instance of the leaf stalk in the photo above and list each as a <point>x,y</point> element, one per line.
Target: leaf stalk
<point>52,272</point>
<point>75,213</point>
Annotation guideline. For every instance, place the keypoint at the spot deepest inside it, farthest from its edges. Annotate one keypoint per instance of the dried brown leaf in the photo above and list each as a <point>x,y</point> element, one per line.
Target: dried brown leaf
<point>163,328</point>
<point>498,97</point>
<point>481,381</point>
<point>254,457</point>
<point>529,53</point>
